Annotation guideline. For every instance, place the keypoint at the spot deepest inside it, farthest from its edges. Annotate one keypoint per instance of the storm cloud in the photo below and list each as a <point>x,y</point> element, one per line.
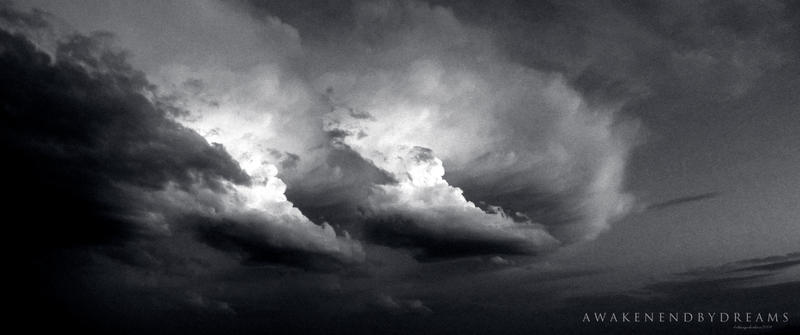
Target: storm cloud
<point>396,76</point>
<point>363,126</point>
<point>91,140</point>
<point>405,166</point>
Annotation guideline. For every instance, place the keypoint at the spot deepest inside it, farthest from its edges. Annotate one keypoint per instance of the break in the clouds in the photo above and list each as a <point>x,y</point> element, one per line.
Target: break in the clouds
<point>375,128</point>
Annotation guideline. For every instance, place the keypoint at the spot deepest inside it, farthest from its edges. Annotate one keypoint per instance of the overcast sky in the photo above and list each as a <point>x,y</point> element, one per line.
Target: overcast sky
<point>401,166</point>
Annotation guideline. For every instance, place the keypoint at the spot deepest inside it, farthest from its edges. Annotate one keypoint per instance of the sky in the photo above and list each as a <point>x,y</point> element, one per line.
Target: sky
<point>245,166</point>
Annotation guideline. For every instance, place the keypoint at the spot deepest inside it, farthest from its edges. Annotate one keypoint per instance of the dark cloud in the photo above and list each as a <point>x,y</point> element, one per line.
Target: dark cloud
<point>683,200</point>
<point>765,265</point>
<point>97,159</point>
<point>541,205</point>
<point>771,266</point>
<point>80,132</point>
<point>257,246</point>
<point>395,306</point>
<point>752,285</point>
<point>317,20</point>
<point>730,286</point>
<point>112,205</point>
<point>345,178</point>
<point>290,162</point>
<point>83,143</point>
<point>36,19</point>
<point>399,231</point>
<point>590,42</point>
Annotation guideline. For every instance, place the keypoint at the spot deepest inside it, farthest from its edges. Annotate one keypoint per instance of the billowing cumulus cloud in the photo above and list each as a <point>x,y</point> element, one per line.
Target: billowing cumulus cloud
<point>403,126</point>
<point>406,75</point>
<point>513,136</point>
<point>92,140</point>
<point>420,209</point>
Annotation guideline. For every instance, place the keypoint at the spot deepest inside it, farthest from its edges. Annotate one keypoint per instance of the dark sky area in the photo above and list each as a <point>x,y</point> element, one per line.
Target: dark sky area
<point>442,167</point>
